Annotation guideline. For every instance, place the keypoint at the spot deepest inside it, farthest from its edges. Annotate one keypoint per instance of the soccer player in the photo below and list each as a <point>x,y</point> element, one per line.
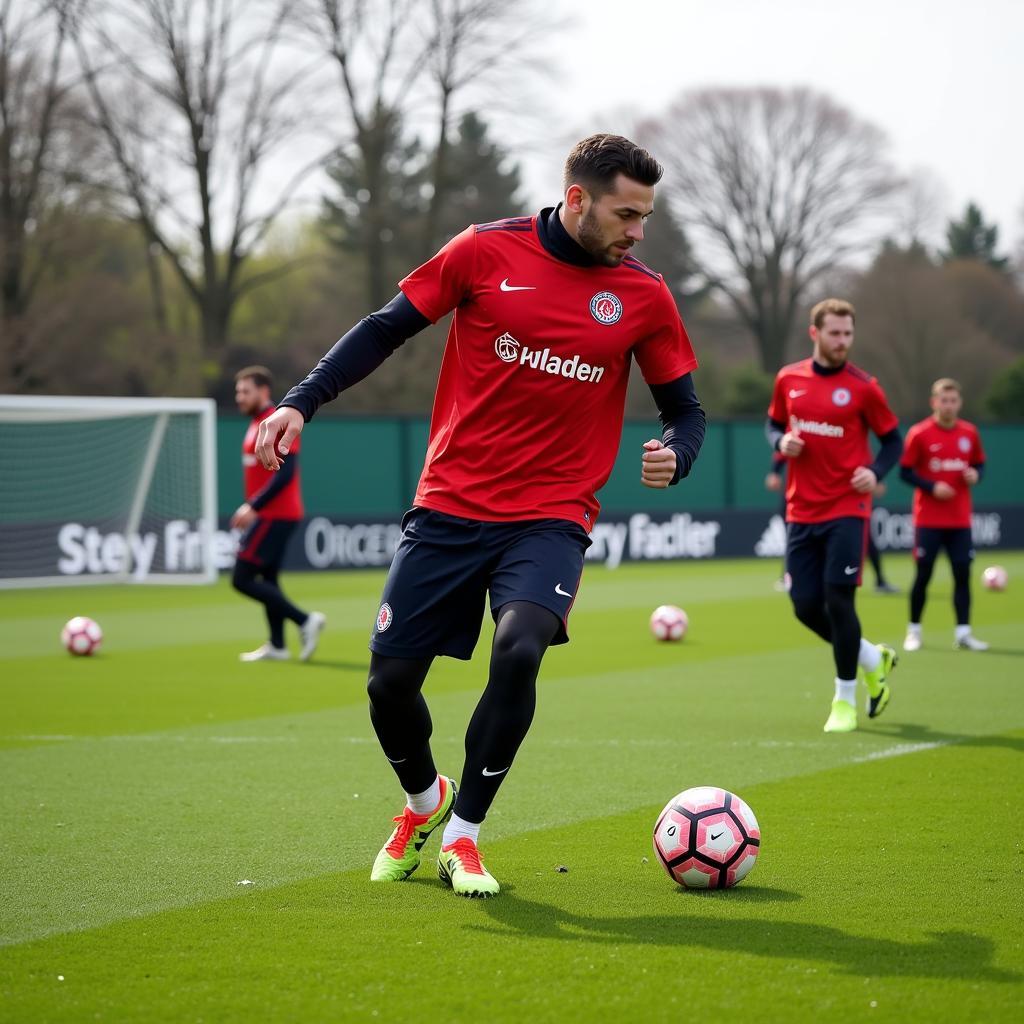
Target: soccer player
<point>943,459</point>
<point>550,310</point>
<point>821,411</point>
<point>268,516</point>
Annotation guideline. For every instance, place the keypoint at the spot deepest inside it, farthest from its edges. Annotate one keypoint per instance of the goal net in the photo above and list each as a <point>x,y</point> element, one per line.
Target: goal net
<point>97,490</point>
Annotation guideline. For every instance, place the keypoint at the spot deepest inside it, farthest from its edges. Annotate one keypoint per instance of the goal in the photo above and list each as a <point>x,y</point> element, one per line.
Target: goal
<point>106,490</point>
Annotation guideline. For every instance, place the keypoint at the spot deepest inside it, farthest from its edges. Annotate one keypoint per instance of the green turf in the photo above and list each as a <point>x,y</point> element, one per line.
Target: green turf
<point>141,786</point>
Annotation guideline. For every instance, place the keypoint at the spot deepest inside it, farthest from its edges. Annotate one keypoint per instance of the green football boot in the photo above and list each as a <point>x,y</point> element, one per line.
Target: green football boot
<point>459,867</point>
<point>843,717</point>
<point>876,682</point>
<point>400,855</point>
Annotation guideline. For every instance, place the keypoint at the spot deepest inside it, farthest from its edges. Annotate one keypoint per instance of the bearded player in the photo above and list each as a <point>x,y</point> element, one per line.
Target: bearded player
<point>550,311</point>
<point>821,412</point>
<point>943,460</point>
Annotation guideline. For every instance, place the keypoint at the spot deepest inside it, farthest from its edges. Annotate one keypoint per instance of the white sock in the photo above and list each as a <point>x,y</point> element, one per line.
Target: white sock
<point>869,656</point>
<point>459,828</point>
<point>914,627</point>
<point>961,632</point>
<point>846,689</point>
<point>427,801</point>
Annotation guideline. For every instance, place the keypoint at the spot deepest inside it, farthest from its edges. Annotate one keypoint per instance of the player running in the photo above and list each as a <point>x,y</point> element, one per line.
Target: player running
<point>821,411</point>
<point>549,312</point>
<point>268,516</point>
<point>943,459</point>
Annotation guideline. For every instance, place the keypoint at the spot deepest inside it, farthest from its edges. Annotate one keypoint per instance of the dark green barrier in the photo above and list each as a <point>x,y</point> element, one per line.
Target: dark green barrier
<point>368,466</point>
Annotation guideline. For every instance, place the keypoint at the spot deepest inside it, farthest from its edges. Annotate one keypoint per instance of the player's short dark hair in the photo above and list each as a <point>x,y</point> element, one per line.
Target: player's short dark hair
<point>835,307</point>
<point>596,161</point>
<point>259,375</point>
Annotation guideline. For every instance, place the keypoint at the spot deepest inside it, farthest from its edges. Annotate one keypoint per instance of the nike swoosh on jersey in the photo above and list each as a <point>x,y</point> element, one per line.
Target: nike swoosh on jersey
<point>506,287</point>
<point>794,393</point>
<point>935,447</point>
<point>559,590</point>
<point>501,772</point>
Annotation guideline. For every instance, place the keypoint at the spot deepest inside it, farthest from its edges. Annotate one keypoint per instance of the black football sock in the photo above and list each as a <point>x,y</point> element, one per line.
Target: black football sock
<point>401,719</point>
<point>919,591</point>
<point>962,592</point>
<point>842,615</point>
<point>503,716</point>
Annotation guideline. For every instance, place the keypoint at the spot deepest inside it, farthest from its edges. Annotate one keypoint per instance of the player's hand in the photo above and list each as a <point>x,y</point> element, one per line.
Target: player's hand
<point>971,476</point>
<point>879,490</point>
<point>773,482</point>
<point>244,516</point>
<point>792,444</point>
<point>943,491</point>
<point>277,433</point>
<point>863,480</point>
<point>657,464</point>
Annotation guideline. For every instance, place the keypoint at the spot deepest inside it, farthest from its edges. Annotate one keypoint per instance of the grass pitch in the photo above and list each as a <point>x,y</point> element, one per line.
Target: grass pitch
<point>140,788</point>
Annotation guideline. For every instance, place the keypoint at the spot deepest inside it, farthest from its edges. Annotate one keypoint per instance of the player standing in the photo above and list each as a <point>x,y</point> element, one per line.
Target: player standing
<point>550,310</point>
<point>268,516</point>
<point>821,411</point>
<point>943,459</point>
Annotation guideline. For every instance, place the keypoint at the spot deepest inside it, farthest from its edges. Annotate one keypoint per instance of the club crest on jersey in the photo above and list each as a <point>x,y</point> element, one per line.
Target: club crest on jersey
<point>606,308</point>
<point>384,617</point>
<point>507,348</point>
<point>841,396</point>
<point>964,444</point>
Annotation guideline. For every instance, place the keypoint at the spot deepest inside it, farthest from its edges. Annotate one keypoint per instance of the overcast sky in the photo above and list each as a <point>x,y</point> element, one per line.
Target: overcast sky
<point>944,78</point>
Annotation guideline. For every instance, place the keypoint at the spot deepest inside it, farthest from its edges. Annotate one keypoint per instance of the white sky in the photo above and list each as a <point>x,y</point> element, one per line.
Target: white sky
<point>943,78</point>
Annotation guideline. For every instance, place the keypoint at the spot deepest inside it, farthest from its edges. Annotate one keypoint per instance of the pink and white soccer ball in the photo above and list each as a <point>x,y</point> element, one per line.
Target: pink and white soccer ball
<point>81,635</point>
<point>707,838</point>
<point>995,577</point>
<point>669,622</point>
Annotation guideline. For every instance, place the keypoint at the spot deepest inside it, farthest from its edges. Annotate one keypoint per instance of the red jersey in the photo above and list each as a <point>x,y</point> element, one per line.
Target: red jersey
<point>833,413</point>
<point>938,453</point>
<point>287,502</point>
<point>528,412</point>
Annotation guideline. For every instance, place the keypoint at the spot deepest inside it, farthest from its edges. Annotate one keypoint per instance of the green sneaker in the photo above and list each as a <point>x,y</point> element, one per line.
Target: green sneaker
<point>400,856</point>
<point>843,717</point>
<point>459,867</point>
<point>878,688</point>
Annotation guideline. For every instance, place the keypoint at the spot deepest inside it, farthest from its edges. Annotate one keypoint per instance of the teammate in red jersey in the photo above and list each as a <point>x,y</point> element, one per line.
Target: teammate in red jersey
<point>268,516</point>
<point>943,459</point>
<point>550,310</point>
<point>821,412</point>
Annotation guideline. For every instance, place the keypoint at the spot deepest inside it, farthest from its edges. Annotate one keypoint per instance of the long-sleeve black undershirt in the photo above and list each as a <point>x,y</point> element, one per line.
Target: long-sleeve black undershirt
<point>277,483</point>
<point>682,420</point>
<point>914,479</point>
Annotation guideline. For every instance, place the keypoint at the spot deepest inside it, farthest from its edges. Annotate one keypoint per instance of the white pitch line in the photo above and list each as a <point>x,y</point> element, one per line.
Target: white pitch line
<point>900,749</point>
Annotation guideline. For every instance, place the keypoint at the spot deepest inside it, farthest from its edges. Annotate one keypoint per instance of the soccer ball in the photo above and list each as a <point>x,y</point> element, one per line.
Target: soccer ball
<point>81,636</point>
<point>669,622</point>
<point>707,838</point>
<point>995,577</point>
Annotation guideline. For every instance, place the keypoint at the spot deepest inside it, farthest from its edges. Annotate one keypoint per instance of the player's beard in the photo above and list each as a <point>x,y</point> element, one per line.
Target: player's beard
<point>591,238</point>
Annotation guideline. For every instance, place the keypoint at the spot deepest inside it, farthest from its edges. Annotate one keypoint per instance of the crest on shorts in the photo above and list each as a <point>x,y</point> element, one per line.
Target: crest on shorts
<point>841,396</point>
<point>606,308</point>
<point>384,617</point>
<point>964,444</point>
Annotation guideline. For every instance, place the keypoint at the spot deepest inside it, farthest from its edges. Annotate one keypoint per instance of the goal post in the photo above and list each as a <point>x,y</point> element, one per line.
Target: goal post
<point>107,490</point>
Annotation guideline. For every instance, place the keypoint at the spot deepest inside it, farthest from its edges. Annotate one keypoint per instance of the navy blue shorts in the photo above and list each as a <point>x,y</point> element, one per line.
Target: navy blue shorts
<point>445,566</point>
<point>820,553</point>
<point>264,542</point>
<point>930,540</point>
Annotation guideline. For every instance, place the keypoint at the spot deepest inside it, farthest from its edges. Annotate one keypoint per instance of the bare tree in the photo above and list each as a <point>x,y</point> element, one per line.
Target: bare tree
<point>35,129</point>
<point>378,54</point>
<point>197,102</point>
<point>775,188</point>
<point>473,45</point>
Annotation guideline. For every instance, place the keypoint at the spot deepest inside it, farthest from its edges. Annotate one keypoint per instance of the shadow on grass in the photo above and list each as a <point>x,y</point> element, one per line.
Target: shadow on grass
<point>947,954</point>
<point>910,732</point>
